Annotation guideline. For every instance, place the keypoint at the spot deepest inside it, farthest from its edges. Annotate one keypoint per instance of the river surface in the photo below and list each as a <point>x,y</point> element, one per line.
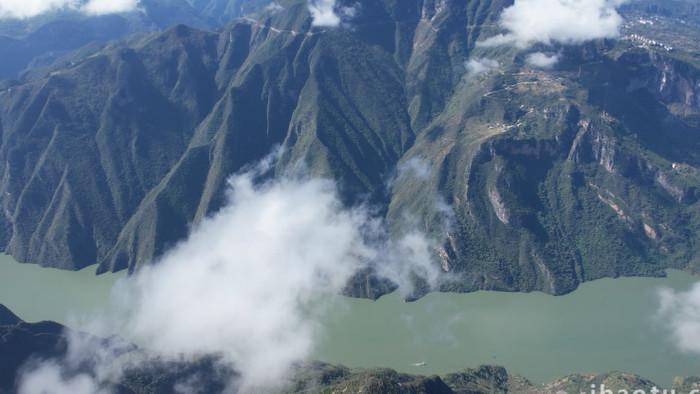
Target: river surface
<point>605,325</point>
<point>36,293</point>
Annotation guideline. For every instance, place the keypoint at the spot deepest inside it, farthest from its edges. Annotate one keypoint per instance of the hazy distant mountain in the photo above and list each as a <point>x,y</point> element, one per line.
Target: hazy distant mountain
<point>39,40</point>
<point>560,164</point>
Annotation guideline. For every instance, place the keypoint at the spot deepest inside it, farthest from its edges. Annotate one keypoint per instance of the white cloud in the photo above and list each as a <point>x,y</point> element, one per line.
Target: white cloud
<point>562,21</point>
<point>274,7</point>
<point>410,257</point>
<point>250,282</point>
<point>542,60</point>
<point>323,13</point>
<point>326,13</point>
<point>47,378</point>
<point>31,8</point>
<point>680,313</point>
<point>411,253</point>
<point>102,7</point>
<point>480,66</point>
<point>347,13</point>
<point>241,281</point>
<point>414,167</point>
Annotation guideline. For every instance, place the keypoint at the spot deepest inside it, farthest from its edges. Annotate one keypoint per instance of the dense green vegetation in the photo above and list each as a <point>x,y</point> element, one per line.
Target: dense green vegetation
<point>549,177</point>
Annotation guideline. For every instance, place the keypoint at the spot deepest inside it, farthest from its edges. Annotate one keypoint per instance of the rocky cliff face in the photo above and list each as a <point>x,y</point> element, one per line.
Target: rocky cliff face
<point>546,176</point>
<point>672,82</point>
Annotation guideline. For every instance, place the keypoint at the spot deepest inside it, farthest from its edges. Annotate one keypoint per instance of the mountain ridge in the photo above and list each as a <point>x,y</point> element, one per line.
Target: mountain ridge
<point>550,175</point>
<point>34,41</point>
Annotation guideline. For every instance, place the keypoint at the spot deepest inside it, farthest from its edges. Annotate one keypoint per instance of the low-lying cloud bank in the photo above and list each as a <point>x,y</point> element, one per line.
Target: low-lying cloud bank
<point>239,283</point>
<point>31,8</point>
<point>679,312</point>
<point>250,282</point>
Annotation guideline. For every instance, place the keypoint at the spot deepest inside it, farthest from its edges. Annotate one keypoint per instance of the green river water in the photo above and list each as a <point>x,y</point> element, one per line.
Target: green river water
<point>605,325</point>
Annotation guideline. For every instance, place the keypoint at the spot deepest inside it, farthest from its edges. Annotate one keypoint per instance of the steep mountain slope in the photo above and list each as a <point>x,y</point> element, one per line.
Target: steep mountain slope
<point>536,179</point>
<point>563,176</point>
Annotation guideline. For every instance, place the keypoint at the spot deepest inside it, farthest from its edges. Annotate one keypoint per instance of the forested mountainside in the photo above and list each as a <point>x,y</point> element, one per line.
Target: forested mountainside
<point>536,177</point>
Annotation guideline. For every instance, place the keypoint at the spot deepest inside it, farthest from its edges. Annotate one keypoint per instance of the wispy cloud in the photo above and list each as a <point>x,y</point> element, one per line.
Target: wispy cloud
<point>415,168</point>
<point>49,376</point>
<point>680,313</point>
<point>251,281</point>
<point>408,258</point>
<point>542,60</point>
<point>274,7</point>
<point>31,8</point>
<point>102,7</point>
<point>326,13</point>
<point>562,21</point>
<point>411,253</point>
<point>480,66</point>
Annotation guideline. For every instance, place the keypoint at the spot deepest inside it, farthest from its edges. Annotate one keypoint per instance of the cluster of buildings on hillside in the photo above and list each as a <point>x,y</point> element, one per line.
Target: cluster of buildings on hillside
<point>649,42</point>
